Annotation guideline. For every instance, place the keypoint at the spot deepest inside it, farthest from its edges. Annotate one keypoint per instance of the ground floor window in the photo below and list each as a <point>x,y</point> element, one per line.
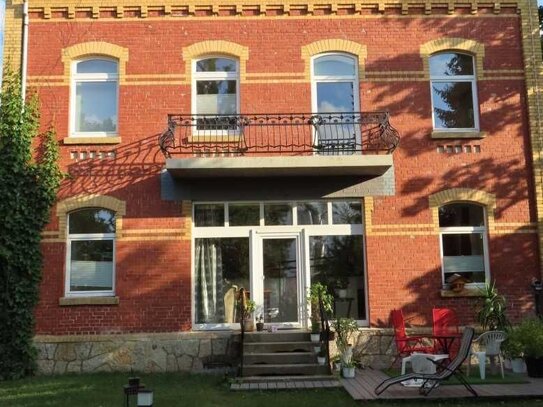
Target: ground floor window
<point>464,247</point>
<point>275,250</point>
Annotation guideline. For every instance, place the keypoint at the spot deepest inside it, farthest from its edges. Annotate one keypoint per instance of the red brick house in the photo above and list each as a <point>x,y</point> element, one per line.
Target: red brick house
<point>213,146</point>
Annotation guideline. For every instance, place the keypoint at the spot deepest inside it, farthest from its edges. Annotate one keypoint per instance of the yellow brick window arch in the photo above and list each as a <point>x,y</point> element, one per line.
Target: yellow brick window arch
<point>217,47</point>
<point>71,204</point>
<point>334,45</point>
<point>94,48</point>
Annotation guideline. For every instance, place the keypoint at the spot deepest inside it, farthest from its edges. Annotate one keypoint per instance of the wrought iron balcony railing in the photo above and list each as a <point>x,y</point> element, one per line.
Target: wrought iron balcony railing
<point>288,134</point>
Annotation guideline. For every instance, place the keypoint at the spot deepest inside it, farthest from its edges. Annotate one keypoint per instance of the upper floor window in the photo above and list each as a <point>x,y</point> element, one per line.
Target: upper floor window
<point>335,97</point>
<point>94,97</point>
<point>454,92</point>
<point>335,84</point>
<point>215,92</point>
<point>90,262</point>
<point>464,246</point>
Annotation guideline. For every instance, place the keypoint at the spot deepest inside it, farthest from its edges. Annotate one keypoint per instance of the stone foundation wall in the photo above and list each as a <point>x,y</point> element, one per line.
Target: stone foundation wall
<point>175,352</point>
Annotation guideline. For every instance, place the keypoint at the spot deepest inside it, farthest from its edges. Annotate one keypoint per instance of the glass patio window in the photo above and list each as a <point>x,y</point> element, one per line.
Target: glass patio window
<point>215,93</point>
<point>454,92</point>
<point>91,252</point>
<point>464,246</point>
<point>94,97</point>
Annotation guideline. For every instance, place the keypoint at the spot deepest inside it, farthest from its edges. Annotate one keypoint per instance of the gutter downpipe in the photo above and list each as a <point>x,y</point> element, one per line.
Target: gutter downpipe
<point>24,56</point>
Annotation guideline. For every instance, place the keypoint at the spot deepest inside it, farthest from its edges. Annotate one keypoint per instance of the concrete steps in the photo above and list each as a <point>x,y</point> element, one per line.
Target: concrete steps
<point>281,354</point>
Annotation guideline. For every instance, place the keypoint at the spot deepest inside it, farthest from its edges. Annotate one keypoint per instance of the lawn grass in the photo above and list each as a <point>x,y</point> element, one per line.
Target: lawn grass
<point>170,389</point>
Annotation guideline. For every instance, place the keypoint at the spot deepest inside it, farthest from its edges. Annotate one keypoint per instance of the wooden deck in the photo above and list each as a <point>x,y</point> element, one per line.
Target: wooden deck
<point>361,388</point>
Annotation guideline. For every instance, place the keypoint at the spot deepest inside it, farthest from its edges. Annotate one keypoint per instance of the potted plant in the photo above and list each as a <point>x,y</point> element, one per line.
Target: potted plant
<point>315,332</point>
<point>348,369</point>
<point>491,314</point>
<point>512,350</point>
<point>316,291</point>
<point>530,334</point>
<point>321,357</point>
<point>248,310</point>
<point>345,328</point>
<point>260,324</point>
<point>336,363</point>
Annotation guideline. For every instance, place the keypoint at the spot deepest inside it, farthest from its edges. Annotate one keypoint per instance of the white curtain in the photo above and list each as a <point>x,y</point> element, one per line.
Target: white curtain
<point>209,281</point>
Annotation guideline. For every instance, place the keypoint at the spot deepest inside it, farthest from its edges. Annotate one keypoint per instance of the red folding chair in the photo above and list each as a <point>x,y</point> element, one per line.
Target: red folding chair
<point>445,331</point>
<point>406,345</point>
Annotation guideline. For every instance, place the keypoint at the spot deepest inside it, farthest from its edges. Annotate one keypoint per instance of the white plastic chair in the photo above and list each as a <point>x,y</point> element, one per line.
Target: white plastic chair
<point>489,344</point>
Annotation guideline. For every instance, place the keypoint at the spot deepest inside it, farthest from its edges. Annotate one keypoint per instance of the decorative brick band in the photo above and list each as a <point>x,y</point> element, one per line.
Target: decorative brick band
<point>94,48</point>
<point>334,45</point>
<point>90,201</point>
<point>453,44</point>
<point>463,195</point>
<point>217,47</point>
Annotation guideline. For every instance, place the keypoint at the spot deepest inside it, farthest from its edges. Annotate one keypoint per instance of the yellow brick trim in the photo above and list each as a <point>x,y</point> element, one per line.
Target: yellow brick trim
<point>334,45</point>
<point>531,50</point>
<point>463,195</point>
<point>368,206</point>
<point>91,140</point>
<point>13,34</point>
<point>475,48</point>
<point>94,48</point>
<point>186,212</point>
<point>90,201</point>
<point>216,47</point>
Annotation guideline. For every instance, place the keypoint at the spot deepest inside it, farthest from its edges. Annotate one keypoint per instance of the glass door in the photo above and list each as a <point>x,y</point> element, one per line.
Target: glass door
<point>278,286</point>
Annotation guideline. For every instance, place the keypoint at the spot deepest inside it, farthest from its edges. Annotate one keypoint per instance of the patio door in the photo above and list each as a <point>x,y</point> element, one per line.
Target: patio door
<point>278,280</point>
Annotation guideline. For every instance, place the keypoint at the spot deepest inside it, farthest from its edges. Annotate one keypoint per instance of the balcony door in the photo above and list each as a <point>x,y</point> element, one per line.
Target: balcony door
<point>278,279</point>
<point>335,98</point>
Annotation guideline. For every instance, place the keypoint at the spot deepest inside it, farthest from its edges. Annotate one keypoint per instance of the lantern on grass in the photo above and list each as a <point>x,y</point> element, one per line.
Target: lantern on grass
<point>145,398</point>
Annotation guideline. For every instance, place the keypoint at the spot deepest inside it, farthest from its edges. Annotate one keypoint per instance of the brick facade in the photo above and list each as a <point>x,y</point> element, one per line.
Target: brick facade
<point>273,43</point>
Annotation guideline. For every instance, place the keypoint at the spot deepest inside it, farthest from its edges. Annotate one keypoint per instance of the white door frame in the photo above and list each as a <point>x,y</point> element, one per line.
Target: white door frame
<point>257,274</point>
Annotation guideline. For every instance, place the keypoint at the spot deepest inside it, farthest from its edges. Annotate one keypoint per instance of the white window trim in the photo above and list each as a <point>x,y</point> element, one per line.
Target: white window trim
<point>91,77</point>
<point>305,231</point>
<point>458,230</point>
<point>457,78</point>
<point>214,76</point>
<point>82,237</point>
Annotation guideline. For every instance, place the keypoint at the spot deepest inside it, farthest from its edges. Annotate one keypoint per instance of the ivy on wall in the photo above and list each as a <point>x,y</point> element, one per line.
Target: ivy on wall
<point>29,181</point>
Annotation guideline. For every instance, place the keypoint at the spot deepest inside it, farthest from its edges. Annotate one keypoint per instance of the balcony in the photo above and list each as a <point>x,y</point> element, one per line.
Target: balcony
<point>278,156</point>
<point>278,145</point>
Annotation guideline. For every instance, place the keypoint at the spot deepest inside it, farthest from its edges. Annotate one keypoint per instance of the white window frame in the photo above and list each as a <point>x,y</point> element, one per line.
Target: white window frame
<point>462,230</point>
<point>456,78</point>
<point>335,78</point>
<point>91,77</point>
<point>251,232</point>
<point>213,76</point>
<point>82,237</point>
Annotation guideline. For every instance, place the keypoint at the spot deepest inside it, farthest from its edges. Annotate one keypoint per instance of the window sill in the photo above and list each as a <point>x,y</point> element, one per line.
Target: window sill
<point>466,292</point>
<point>436,134</point>
<point>70,301</point>
<point>92,140</point>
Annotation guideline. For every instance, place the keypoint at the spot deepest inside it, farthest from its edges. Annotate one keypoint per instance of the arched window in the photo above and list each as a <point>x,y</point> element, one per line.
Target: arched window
<point>454,92</point>
<point>335,83</point>
<point>215,92</point>
<point>335,98</point>
<point>90,260</point>
<point>94,97</point>
<point>464,247</point>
